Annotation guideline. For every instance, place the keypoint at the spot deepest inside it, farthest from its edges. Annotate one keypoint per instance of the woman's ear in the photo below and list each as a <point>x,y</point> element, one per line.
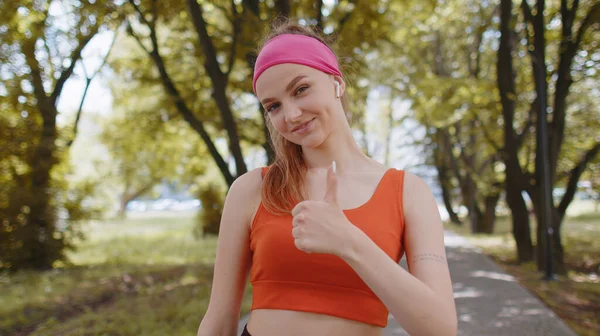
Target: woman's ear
<point>341,84</point>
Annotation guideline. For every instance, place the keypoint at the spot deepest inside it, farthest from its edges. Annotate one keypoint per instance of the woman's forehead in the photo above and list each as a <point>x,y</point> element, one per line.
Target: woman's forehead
<point>276,78</point>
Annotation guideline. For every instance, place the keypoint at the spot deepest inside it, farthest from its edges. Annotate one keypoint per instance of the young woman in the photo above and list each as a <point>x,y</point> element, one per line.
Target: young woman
<point>321,230</point>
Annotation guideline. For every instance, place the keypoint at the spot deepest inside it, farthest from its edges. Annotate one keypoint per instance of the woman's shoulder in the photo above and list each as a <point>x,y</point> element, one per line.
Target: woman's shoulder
<point>248,184</point>
<point>415,190</point>
<point>244,196</point>
<point>414,182</point>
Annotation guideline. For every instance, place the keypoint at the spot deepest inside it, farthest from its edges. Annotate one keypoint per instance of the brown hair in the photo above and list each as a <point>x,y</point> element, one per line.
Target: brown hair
<point>283,183</point>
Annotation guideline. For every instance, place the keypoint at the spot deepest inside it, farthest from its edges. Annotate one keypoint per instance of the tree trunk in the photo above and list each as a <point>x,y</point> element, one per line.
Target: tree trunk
<point>40,252</point>
<point>515,181</point>
<point>489,217</point>
<point>446,195</point>
<point>129,196</point>
<point>219,82</point>
<point>558,263</point>
<point>283,7</point>
<point>269,151</point>
<point>122,213</point>
<point>441,155</point>
<point>471,203</point>
<point>172,91</point>
<point>520,223</point>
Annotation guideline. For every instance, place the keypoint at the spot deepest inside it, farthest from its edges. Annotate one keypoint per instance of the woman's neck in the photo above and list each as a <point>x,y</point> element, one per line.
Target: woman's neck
<point>342,149</point>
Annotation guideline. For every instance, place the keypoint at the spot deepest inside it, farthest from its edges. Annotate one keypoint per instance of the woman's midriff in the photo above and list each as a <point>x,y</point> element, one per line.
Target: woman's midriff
<point>272,322</point>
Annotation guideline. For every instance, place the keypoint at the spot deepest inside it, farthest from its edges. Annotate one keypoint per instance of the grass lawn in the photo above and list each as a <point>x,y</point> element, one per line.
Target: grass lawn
<point>140,276</point>
<point>574,297</point>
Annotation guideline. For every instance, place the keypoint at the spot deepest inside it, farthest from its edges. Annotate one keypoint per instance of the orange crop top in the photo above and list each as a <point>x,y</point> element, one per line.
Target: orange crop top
<point>284,277</point>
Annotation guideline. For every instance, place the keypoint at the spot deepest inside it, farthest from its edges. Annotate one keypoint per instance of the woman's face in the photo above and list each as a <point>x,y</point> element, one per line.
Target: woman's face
<point>301,102</point>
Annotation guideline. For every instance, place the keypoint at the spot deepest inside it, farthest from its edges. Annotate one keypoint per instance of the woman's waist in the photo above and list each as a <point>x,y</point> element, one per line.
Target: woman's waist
<point>272,322</point>
<point>327,299</point>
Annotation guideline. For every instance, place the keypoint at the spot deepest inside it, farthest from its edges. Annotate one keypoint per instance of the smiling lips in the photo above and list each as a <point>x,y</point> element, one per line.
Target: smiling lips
<point>303,128</point>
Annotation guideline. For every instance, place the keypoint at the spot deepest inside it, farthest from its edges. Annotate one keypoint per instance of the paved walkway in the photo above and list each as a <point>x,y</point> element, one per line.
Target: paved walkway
<point>489,301</point>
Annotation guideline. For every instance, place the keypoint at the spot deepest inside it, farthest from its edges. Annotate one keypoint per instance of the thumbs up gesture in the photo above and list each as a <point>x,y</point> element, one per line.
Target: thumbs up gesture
<point>321,226</point>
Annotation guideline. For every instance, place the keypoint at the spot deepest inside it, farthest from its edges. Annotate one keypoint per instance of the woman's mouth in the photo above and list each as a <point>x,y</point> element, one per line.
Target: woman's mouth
<point>303,128</point>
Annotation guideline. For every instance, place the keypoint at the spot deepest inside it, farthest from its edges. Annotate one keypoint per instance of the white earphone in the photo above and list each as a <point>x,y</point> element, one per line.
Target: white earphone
<point>337,89</point>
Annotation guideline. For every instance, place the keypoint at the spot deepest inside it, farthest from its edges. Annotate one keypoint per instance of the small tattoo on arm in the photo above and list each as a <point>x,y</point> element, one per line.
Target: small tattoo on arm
<point>428,257</point>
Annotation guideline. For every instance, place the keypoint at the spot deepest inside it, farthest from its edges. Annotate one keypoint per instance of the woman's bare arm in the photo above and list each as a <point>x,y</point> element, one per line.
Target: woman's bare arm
<point>233,259</point>
<point>422,300</point>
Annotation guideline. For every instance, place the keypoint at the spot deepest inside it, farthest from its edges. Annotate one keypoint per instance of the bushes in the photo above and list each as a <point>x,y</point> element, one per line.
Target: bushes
<point>209,218</point>
<point>38,229</point>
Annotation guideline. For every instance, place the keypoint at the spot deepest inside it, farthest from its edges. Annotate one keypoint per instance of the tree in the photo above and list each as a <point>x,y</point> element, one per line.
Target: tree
<point>574,36</point>
<point>441,59</point>
<point>38,56</point>
<point>145,152</point>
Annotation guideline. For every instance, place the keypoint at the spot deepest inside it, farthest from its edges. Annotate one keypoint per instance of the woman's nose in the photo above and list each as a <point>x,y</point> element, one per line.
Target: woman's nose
<point>292,114</point>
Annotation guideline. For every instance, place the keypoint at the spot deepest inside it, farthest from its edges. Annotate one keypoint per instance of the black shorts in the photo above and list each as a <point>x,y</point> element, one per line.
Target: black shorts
<point>245,332</point>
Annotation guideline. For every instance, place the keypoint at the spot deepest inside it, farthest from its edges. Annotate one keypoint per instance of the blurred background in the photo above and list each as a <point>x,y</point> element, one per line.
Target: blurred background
<point>123,123</point>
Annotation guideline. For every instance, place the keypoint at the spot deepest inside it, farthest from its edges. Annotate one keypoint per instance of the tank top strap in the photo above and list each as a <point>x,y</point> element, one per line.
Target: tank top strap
<point>264,171</point>
<point>400,174</point>
<point>400,188</point>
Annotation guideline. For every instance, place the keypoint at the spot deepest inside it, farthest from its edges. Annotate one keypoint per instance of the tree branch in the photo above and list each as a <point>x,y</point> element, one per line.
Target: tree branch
<point>284,8</point>
<point>210,52</point>
<point>88,81</point>
<point>521,136</point>
<point>487,136</point>
<point>141,191</point>
<point>592,17</point>
<point>180,104</point>
<point>575,174</point>
<point>529,17</point>
<point>320,14</point>
<point>567,52</point>
<point>141,15</point>
<point>219,82</point>
<point>28,48</point>
<point>568,15</point>
<point>508,97</point>
<point>136,38</point>
<point>75,56</point>
<point>253,5</point>
<point>51,64</point>
<point>236,23</point>
<point>345,19</point>
<point>451,158</point>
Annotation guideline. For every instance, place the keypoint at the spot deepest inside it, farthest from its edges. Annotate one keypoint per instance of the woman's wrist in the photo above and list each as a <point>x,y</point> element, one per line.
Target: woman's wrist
<point>352,245</point>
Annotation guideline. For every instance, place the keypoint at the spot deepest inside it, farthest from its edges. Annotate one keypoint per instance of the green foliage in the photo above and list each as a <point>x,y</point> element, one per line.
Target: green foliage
<point>41,42</point>
<point>147,148</point>
<point>209,218</point>
<point>69,203</point>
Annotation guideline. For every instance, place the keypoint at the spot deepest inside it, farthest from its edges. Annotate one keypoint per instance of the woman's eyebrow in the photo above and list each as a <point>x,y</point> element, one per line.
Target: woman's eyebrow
<point>287,88</point>
<point>293,82</point>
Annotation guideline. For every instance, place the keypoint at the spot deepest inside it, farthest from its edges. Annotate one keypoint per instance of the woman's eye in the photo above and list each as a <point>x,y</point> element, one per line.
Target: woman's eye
<point>272,107</point>
<point>301,89</point>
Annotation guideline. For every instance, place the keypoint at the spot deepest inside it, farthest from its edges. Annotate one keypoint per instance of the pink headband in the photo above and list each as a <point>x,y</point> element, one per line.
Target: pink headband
<point>298,49</point>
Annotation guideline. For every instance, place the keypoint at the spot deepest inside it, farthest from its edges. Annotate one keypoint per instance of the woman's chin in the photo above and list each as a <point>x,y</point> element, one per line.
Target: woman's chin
<point>311,142</point>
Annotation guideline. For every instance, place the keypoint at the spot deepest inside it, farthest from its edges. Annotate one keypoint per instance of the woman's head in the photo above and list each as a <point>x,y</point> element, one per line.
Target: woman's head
<point>301,103</point>
<point>298,81</point>
<point>301,88</point>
